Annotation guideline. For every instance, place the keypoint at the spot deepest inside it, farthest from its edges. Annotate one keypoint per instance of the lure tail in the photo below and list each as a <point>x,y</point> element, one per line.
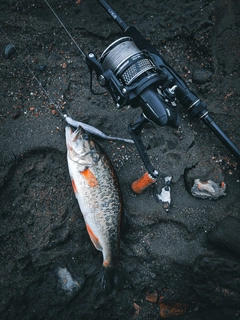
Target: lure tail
<point>94,131</point>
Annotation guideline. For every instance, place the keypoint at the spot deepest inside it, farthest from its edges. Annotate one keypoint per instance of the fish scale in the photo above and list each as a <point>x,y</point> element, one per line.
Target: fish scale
<point>97,190</point>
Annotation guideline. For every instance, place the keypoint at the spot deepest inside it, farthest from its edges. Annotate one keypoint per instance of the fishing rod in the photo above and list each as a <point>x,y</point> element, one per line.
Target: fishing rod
<point>136,74</point>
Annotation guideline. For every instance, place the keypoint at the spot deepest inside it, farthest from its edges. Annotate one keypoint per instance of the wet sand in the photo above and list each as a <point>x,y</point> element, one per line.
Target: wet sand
<point>182,263</point>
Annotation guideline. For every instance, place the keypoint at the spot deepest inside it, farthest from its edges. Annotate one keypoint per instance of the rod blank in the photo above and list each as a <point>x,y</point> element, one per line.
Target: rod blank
<point>113,14</point>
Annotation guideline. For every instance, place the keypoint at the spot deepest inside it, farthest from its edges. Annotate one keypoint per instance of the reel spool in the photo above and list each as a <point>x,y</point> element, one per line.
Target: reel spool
<point>126,61</point>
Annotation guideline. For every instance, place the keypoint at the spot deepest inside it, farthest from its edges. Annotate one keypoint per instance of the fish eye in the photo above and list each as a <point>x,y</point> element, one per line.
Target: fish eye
<point>85,136</point>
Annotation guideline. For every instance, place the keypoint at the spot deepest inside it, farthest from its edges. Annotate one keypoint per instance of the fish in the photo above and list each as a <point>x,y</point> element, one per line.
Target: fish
<point>98,193</point>
<point>92,130</point>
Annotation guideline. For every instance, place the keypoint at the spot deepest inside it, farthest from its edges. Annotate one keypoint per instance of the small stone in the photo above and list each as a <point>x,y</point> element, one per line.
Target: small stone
<point>201,76</point>
<point>9,50</point>
<point>137,309</point>
<point>40,67</point>
<point>171,309</point>
<point>64,65</point>
<point>16,114</point>
<point>152,297</point>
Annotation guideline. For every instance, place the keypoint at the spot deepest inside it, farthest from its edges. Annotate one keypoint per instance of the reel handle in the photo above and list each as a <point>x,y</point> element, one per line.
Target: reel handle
<point>142,183</point>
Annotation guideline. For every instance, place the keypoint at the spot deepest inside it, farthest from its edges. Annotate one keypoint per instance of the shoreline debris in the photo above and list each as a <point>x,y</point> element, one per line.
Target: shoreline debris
<point>66,280</point>
<point>165,196</point>
<point>208,189</point>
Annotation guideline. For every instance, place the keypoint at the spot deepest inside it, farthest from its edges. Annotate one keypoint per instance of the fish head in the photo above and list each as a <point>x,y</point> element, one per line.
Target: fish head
<point>80,147</point>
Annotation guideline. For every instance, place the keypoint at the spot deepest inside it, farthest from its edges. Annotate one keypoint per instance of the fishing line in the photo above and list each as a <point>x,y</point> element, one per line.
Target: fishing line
<point>62,24</point>
<point>65,115</point>
<point>57,107</point>
<point>71,37</point>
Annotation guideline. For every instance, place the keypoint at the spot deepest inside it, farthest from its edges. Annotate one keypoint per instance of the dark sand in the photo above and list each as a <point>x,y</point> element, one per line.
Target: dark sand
<point>182,263</point>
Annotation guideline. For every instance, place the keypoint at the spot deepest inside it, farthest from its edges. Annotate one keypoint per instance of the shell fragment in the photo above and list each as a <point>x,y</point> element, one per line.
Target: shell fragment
<point>208,189</point>
<point>165,196</point>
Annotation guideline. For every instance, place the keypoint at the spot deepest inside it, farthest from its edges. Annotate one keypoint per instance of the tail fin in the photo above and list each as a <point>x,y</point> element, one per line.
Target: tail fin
<point>115,278</point>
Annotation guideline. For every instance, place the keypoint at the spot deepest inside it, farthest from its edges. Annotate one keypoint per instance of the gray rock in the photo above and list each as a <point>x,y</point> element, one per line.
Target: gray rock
<point>40,67</point>
<point>9,50</point>
<point>200,76</point>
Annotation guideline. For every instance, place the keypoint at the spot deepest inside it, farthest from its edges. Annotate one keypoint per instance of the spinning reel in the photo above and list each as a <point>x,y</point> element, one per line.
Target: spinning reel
<point>133,79</point>
<point>135,74</point>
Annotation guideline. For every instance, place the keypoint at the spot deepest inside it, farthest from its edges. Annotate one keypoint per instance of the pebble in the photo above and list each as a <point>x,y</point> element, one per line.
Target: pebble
<point>152,297</point>
<point>64,65</point>
<point>9,50</point>
<point>200,76</point>
<point>40,67</point>
<point>16,114</point>
<point>171,310</point>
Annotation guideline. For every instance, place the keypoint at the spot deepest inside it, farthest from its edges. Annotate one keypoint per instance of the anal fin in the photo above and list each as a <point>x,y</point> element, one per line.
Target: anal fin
<point>94,239</point>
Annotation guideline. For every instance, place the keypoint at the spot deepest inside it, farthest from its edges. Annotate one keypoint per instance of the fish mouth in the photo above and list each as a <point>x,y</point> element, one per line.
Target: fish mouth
<point>79,133</point>
<point>71,140</point>
<point>72,135</point>
<point>80,147</point>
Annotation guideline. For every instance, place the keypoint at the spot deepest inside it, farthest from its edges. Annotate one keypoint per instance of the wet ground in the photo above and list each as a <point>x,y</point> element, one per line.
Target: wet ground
<point>183,263</point>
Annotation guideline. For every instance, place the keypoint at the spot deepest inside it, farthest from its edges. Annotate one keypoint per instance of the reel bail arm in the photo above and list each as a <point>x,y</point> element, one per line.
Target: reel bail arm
<point>107,79</point>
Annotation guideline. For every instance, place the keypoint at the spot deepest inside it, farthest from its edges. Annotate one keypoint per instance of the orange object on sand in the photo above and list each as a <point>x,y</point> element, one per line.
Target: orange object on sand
<point>142,183</point>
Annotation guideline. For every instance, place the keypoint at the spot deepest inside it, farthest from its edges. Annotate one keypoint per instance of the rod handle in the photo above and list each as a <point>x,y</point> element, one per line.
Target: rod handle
<point>139,185</point>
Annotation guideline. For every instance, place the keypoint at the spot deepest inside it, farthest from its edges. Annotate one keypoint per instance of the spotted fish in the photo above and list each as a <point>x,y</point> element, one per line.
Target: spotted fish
<point>97,190</point>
